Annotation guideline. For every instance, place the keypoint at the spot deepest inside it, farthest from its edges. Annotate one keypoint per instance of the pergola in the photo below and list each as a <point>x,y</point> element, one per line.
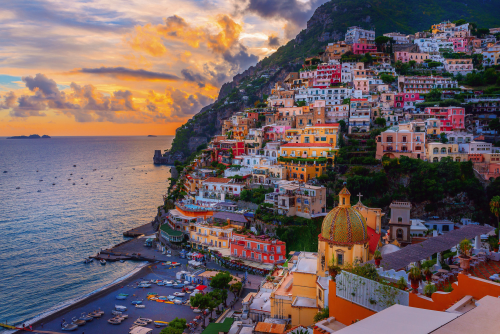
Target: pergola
<point>417,252</point>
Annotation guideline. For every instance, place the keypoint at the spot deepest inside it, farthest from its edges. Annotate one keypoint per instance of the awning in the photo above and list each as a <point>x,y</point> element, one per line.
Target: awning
<point>201,287</point>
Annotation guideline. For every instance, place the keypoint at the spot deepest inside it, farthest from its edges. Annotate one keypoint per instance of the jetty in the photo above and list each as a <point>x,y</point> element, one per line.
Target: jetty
<point>139,231</point>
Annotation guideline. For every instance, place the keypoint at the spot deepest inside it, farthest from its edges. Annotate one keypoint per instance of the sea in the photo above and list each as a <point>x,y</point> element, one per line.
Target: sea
<point>63,199</point>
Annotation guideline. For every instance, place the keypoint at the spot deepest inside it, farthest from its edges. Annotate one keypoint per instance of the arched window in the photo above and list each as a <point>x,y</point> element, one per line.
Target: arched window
<point>400,220</point>
<point>443,150</point>
<point>436,150</point>
<point>435,160</point>
<point>399,233</point>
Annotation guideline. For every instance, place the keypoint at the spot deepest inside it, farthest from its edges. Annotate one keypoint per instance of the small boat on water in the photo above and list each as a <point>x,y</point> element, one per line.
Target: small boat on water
<point>122,261</point>
<point>136,302</point>
<point>196,310</point>
<point>144,285</point>
<point>146,320</point>
<point>39,191</point>
<point>116,312</point>
<point>85,317</point>
<point>178,301</point>
<point>160,323</point>
<point>140,323</point>
<point>121,297</point>
<point>140,306</point>
<point>160,283</point>
<point>171,297</point>
<point>88,260</point>
<point>114,321</point>
<point>103,262</point>
<point>18,187</point>
<point>68,327</point>
<point>120,308</point>
<point>123,294</point>
<point>53,184</point>
<point>78,322</point>
<point>179,294</point>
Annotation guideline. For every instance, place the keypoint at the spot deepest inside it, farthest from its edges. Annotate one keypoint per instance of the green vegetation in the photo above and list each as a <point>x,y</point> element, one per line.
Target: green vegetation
<point>175,326</point>
<point>257,195</point>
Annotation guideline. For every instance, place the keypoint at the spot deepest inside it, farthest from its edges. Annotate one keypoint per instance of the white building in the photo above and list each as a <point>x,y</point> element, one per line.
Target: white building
<point>353,34</point>
<point>336,113</point>
<point>398,37</point>
<point>429,45</point>
<point>215,189</point>
<point>331,96</point>
<point>346,72</point>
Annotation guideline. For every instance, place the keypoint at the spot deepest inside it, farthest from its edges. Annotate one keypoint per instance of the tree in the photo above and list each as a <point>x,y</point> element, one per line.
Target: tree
<point>494,124</point>
<point>323,314</point>
<point>495,207</point>
<point>175,326</point>
<point>412,63</point>
<point>380,122</point>
<point>367,58</point>
<point>221,282</point>
<point>443,138</point>
<point>236,287</point>
<point>220,295</point>
<point>387,78</point>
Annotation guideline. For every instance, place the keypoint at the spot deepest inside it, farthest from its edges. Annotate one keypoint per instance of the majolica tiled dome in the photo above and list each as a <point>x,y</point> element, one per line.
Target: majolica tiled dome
<point>344,225</point>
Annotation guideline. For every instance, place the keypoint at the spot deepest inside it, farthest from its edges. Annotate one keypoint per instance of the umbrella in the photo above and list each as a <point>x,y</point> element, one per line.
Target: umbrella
<point>201,287</point>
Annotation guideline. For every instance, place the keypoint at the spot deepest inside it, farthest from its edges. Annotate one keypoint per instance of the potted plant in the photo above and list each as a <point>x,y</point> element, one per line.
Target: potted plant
<point>429,289</point>
<point>377,256</point>
<point>428,274</point>
<point>333,269</point>
<point>415,277</point>
<point>464,250</point>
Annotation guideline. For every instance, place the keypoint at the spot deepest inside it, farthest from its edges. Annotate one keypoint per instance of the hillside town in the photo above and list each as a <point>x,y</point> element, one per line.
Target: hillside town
<point>362,103</point>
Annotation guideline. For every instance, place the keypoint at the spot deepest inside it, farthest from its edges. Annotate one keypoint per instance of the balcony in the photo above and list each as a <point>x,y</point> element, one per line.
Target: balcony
<point>247,258</point>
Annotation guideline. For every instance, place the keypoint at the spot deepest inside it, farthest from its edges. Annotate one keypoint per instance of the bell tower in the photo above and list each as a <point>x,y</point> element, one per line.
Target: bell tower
<point>400,223</point>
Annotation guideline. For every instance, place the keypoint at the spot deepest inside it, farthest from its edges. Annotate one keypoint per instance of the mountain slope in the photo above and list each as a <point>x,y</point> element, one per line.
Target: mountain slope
<point>328,23</point>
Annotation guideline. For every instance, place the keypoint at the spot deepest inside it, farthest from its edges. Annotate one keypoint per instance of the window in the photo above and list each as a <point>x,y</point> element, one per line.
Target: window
<point>399,233</point>
<point>340,259</point>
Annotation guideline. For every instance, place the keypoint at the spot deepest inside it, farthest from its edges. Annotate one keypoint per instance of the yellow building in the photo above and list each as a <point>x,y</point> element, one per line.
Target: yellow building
<point>437,151</point>
<point>203,236</point>
<point>348,234</point>
<point>433,126</point>
<point>320,133</point>
<point>306,150</point>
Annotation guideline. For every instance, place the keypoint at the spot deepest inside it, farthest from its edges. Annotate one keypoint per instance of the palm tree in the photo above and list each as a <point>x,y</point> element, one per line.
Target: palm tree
<point>495,207</point>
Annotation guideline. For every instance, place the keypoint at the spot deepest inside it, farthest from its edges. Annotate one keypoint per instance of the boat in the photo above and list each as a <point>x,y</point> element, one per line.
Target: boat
<point>68,327</point>
<point>95,314</point>
<point>171,297</point>
<point>144,285</point>
<point>86,317</point>
<point>136,302</point>
<point>160,283</point>
<point>121,261</point>
<point>196,310</point>
<point>53,184</point>
<point>140,306</point>
<point>103,262</point>
<point>160,323</point>
<point>140,323</point>
<point>121,297</point>
<point>146,320</point>
<point>74,183</point>
<point>18,187</point>
<point>74,165</point>
<point>179,294</point>
<point>178,301</point>
<point>144,282</point>
<point>88,260</point>
<point>179,286</point>
<point>123,294</point>
<point>114,321</point>
<point>120,308</point>
<point>116,312</point>
<point>39,191</point>
<point>78,322</point>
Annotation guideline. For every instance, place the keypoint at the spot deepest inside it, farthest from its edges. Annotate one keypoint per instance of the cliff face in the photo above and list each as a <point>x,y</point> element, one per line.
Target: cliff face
<point>328,24</point>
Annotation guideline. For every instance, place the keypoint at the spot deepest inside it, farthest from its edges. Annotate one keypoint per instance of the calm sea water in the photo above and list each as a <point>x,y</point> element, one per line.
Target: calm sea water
<point>45,235</point>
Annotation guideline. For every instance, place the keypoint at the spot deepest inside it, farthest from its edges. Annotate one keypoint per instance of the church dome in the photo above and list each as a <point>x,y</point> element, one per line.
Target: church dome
<point>344,225</point>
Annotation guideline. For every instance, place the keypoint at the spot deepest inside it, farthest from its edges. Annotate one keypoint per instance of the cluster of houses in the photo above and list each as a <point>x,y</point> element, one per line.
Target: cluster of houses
<point>286,146</point>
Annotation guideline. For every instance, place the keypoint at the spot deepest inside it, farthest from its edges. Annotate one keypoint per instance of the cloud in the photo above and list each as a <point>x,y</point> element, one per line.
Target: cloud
<point>182,104</point>
<point>124,73</point>
<point>9,100</point>
<point>222,40</point>
<point>294,12</point>
<point>87,18</point>
<point>273,41</point>
<point>194,77</point>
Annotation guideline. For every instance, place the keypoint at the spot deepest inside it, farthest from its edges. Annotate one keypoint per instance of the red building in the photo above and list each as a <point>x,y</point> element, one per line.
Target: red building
<point>223,151</point>
<point>327,74</point>
<point>452,118</point>
<point>407,100</point>
<point>363,46</point>
<point>258,249</point>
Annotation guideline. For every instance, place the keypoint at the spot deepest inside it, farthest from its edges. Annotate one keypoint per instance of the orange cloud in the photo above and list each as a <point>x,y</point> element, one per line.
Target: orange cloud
<point>146,39</point>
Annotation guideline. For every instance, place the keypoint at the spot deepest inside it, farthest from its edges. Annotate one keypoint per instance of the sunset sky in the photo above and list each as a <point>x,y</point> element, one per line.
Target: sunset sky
<point>129,67</point>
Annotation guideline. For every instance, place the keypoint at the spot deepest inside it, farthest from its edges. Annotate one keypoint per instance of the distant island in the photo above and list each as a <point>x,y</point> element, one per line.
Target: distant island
<point>151,136</point>
<point>29,137</point>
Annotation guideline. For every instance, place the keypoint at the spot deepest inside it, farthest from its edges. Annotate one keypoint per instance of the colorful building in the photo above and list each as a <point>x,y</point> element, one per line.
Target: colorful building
<point>258,249</point>
<point>327,74</point>
<point>452,118</point>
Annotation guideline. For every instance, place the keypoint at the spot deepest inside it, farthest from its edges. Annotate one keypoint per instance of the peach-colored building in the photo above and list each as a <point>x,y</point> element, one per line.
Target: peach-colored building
<point>336,50</point>
<point>406,57</point>
<point>397,142</point>
<point>362,84</point>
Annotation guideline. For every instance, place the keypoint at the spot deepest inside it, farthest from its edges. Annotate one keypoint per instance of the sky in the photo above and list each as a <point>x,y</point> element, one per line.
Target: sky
<point>129,67</point>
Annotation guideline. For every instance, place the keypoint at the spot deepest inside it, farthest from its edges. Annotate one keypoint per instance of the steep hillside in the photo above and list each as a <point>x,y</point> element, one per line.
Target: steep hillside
<point>329,23</point>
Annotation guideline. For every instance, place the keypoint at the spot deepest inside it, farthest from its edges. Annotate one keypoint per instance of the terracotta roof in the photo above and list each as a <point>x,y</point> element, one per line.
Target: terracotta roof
<point>270,328</point>
<point>306,145</point>
<point>424,250</point>
<point>217,180</point>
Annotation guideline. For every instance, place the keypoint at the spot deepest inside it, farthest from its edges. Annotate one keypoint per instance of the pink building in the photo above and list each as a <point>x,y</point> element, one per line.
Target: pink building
<point>364,46</point>
<point>459,44</point>
<point>397,143</point>
<point>327,74</point>
<point>407,100</point>
<point>452,118</point>
<point>405,57</point>
<point>275,132</point>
